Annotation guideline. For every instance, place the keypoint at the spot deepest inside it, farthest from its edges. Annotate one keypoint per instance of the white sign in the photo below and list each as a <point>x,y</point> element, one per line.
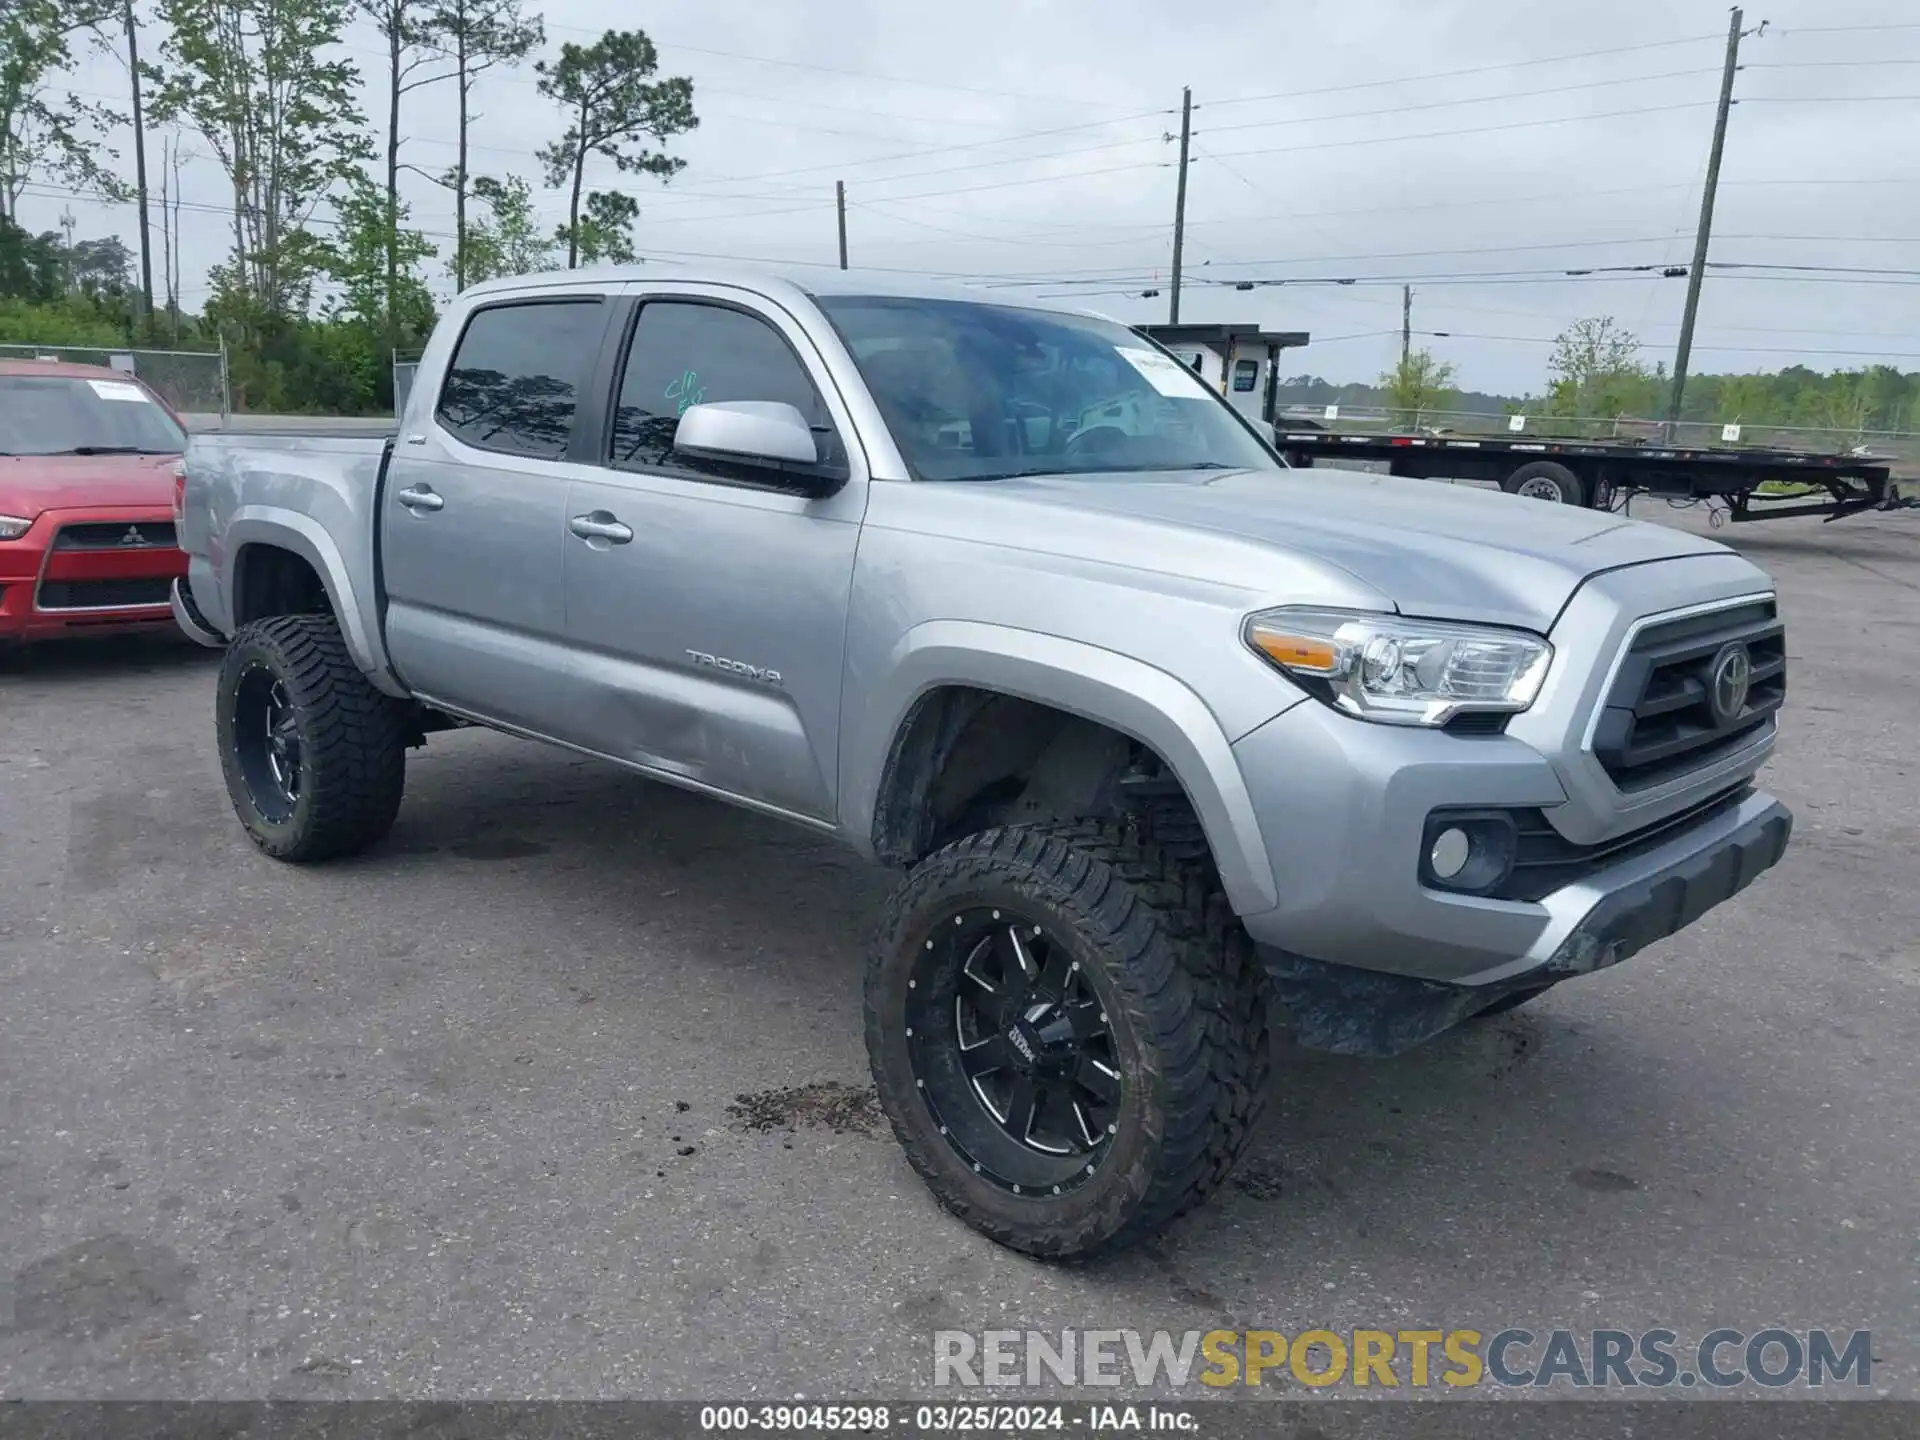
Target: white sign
<point>1516,423</point>
<point>1164,373</point>
<point>1730,434</point>
<point>1333,412</point>
<point>118,390</point>
<point>122,363</point>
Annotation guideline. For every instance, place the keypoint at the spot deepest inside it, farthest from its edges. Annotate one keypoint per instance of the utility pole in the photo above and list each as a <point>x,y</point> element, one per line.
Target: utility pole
<point>1697,272</point>
<point>840,201</point>
<point>1406,327</point>
<point>140,168</point>
<point>1180,201</point>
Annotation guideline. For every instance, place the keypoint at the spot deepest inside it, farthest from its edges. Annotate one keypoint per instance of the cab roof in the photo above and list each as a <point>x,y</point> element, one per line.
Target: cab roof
<point>775,282</point>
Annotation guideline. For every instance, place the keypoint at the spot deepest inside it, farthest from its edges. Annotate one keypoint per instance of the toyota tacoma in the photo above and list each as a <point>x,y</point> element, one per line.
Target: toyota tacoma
<point>1166,739</point>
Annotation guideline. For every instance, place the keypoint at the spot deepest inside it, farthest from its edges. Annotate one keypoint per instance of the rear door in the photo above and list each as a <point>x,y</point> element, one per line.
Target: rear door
<point>474,512</point>
<point>711,629</point>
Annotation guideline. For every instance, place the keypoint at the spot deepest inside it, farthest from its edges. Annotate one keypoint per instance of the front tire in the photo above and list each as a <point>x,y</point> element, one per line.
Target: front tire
<point>314,757</point>
<point>1068,1031</point>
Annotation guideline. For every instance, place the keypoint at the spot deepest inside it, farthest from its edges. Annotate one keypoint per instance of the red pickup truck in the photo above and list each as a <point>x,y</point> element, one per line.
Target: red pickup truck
<point>89,458</point>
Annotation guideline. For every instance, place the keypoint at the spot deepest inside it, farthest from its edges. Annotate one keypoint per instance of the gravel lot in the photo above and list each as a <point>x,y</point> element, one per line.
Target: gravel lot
<point>463,1117</point>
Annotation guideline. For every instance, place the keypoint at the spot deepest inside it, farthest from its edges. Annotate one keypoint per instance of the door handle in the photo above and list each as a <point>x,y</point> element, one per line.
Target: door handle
<point>599,525</point>
<point>420,497</point>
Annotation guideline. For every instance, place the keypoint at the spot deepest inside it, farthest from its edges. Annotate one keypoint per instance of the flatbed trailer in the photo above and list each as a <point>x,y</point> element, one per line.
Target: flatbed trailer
<point>1741,484</point>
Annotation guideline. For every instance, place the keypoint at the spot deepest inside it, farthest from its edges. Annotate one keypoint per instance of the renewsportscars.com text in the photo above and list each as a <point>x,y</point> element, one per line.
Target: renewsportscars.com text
<point>1772,1358</point>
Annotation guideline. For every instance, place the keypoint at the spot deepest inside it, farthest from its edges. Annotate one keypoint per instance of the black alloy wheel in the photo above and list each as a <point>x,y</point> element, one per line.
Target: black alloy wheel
<point>1014,1048</point>
<point>266,742</point>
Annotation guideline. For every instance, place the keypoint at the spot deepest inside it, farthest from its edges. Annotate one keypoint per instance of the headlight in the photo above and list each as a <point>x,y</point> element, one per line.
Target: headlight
<point>12,527</point>
<point>1399,671</point>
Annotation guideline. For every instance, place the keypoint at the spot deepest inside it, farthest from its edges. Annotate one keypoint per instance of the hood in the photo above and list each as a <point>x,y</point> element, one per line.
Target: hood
<point>32,483</point>
<point>1435,550</point>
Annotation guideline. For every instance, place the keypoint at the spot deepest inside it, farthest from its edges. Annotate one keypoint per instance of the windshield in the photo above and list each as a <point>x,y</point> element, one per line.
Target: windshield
<point>986,392</point>
<point>68,415</point>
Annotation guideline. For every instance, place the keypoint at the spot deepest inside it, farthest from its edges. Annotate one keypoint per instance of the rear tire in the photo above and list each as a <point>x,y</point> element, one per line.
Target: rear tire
<point>1546,480</point>
<point>314,757</point>
<point>1134,964</point>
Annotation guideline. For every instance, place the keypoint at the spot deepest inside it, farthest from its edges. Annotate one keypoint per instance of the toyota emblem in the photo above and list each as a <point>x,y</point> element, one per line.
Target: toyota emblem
<point>1728,683</point>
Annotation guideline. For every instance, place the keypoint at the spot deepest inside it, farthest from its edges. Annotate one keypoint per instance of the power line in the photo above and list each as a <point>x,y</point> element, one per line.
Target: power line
<point>1842,29</point>
<point>1811,269</point>
<point>921,154</point>
<point>1446,104</point>
<point>1054,99</point>
<point>1718,349</point>
<point>1822,64</point>
<point>1474,130</point>
<point>1472,70</point>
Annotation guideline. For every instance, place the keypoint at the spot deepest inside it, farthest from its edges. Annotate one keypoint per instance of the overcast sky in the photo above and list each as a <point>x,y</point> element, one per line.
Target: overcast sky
<point>996,139</point>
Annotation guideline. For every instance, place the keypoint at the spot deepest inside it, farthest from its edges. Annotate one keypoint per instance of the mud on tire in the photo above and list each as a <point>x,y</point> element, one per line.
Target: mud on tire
<point>1153,939</point>
<point>343,742</point>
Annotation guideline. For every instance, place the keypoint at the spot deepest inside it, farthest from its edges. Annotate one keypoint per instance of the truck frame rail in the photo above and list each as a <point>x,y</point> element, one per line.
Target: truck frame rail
<point>1748,483</point>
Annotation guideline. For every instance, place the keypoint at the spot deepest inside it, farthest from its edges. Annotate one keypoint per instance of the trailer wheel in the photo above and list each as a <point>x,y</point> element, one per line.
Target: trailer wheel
<point>1546,480</point>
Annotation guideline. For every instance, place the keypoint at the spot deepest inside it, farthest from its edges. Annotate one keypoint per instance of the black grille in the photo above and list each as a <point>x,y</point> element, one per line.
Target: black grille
<point>1659,721</point>
<point>116,535</point>
<point>97,594</point>
<point>1544,860</point>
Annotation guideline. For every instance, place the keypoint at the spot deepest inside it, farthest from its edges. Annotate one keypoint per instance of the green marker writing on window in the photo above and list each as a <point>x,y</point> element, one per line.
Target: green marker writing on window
<point>685,391</point>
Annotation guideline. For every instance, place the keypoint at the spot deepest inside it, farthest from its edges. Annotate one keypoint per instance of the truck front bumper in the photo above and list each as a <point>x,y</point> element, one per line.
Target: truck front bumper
<point>1343,807</point>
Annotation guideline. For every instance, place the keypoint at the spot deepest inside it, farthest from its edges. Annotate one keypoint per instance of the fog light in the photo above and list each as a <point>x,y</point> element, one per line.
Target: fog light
<point>1469,852</point>
<point>1450,853</point>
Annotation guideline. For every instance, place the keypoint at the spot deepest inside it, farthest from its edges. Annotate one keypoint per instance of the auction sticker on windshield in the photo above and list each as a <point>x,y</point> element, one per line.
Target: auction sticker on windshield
<point>118,390</point>
<point>1169,377</point>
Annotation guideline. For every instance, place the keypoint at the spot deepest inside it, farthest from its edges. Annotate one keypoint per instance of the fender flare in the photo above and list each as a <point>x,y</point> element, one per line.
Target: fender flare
<point>1104,686</point>
<point>304,536</point>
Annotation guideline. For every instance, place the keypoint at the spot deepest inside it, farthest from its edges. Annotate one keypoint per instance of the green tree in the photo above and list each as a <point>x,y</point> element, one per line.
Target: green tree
<point>100,267</point>
<point>612,108</point>
<point>44,134</point>
<point>476,35</point>
<point>32,267</point>
<point>412,62</point>
<point>1419,382</point>
<point>605,232</point>
<point>509,241</point>
<point>1596,370</point>
<point>261,82</point>
<point>375,266</point>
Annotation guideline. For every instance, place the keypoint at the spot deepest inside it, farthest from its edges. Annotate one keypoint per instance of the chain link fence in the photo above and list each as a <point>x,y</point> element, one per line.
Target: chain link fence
<point>194,382</point>
<point>1900,446</point>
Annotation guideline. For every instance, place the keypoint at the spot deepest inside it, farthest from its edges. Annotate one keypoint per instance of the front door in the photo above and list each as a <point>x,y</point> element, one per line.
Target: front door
<point>709,605</point>
<point>474,515</point>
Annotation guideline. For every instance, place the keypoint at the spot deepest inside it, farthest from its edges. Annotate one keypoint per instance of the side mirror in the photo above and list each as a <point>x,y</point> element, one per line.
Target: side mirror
<point>768,432</point>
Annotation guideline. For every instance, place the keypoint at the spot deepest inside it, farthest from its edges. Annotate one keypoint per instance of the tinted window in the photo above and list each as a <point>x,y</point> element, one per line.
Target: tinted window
<point>974,391</point>
<point>517,375</point>
<point>686,354</point>
<point>64,415</point>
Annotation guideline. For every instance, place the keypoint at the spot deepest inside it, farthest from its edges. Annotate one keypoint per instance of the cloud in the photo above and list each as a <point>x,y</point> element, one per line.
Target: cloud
<point>1373,140</point>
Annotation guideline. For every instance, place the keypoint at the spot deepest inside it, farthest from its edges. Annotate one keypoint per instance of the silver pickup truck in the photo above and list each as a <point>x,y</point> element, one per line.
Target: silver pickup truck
<point>1158,731</point>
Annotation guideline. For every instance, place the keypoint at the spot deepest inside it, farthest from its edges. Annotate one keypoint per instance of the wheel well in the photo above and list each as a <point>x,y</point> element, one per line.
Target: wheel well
<point>270,581</point>
<point>965,760</point>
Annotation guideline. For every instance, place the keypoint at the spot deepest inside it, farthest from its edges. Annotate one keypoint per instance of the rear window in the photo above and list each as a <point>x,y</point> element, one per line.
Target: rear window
<point>516,376</point>
<point>70,415</point>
